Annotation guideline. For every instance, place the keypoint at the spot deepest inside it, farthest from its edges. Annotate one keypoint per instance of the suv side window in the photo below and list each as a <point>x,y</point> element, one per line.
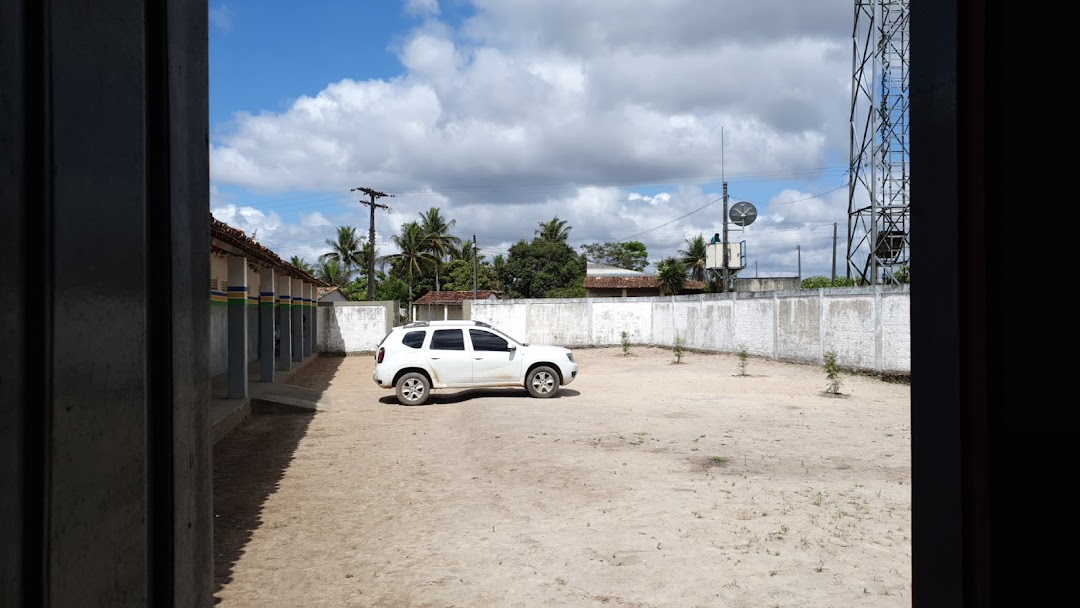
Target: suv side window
<point>486,341</point>
<point>447,339</point>
<point>413,339</point>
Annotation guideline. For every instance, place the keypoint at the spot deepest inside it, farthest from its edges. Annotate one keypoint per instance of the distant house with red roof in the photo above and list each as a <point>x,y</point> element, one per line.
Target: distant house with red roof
<point>602,281</point>
<point>446,305</point>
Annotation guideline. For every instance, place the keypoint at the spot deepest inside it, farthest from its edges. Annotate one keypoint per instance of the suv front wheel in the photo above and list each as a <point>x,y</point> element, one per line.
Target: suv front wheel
<point>542,382</point>
<point>413,388</point>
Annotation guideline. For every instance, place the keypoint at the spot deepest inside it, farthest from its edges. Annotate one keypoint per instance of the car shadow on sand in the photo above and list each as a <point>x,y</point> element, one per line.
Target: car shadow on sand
<point>440,398</point>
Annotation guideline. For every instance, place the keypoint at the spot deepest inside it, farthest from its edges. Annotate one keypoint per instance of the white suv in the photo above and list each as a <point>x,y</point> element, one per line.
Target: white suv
<point>417,357</point>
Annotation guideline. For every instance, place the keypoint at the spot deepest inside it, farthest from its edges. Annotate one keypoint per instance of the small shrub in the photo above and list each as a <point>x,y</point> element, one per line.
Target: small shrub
<point>625,343</point>
<point>678,349</point>
<point>832,373</point>
<point>744,359</point>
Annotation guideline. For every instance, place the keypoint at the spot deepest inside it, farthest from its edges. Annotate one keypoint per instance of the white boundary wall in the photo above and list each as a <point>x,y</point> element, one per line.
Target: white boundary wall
<point>353,327</point>
<point>869,328</point>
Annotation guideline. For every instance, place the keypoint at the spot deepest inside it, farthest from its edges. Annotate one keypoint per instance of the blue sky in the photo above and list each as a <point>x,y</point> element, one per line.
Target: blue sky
<point>505,113</point>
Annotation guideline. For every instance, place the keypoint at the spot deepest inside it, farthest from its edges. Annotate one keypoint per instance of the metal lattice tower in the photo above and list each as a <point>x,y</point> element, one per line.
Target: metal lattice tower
<point>879,192</point>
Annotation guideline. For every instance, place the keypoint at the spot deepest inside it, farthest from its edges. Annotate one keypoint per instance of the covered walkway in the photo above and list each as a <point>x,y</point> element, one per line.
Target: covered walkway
<point>262,324</point>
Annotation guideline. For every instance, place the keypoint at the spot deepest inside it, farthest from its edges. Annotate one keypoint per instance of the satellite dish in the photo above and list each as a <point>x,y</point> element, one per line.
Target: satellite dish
<point>742,214</point>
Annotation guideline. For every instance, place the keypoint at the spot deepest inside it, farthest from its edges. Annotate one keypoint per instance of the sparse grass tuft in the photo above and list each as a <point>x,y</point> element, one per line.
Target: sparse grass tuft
<point>832,373</point>
<point>678,349</point>
<point>744,358</point>
<point>625,343</point>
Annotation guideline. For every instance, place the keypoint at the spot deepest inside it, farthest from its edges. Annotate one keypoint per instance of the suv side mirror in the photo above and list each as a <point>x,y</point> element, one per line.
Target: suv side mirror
<point>511,347</point>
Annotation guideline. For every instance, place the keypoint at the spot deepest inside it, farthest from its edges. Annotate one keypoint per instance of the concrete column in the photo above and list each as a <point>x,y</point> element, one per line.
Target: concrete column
<point>297,320</point>
<point>238,328</point>
<point>307,319</point>
<point>266,324</point>
<point>284,288</point>
<point>315,320</point>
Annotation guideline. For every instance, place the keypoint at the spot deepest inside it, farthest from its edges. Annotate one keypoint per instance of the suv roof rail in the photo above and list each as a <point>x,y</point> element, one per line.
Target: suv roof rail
<point>449,322</point>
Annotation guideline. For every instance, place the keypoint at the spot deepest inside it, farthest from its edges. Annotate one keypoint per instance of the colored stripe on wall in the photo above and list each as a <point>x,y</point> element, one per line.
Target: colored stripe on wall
<point>218,296</point>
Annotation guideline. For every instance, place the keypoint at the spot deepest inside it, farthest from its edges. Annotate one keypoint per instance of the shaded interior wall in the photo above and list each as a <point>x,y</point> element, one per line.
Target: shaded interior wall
<point>105,478</point>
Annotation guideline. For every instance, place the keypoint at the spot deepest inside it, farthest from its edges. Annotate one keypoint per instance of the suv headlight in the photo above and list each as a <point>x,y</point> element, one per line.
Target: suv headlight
<point>570,356</point>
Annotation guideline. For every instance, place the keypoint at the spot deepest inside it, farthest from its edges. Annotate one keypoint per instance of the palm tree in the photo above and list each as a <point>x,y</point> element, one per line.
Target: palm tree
<point>466,253</point>
<point>413,252</point>
<point>440,243</point>
<point>346,249</point>
<point>498,267</point>
<point>555,230</point>
<point>694,257</point>
<point>365,253</point>
<point>331,272</point>
<point>302,264</point>
<point>671,274</point>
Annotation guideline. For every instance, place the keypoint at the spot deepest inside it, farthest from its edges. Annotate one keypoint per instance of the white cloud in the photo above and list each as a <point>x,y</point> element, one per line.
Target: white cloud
<point>422,8</point>
<point>221,17</point>
<point>535,109</point>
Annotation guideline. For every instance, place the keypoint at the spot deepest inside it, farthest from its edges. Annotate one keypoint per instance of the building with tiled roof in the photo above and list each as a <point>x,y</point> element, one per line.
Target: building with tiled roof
<point>603,281</point>
<point>447,305</point>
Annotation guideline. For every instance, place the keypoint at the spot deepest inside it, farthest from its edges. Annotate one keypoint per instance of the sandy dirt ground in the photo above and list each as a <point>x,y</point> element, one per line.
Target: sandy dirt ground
<point>645,483</point>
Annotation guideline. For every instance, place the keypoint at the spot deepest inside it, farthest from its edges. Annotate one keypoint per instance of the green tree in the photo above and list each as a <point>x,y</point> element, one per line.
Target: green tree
<point>440,243</point>
<point>671,274</point>
<point>466,253</point>
<point>330,271</point>
<point>392,288</point>
<point>820,281</point>
<point>694,257</point>
<point>631,255</point>
<point>537,269</point>
<point>498,266</point>
<point>903,275</point>
<point>413,255</point>
<point>554,230</point>
<point>458,276</point>
<point>346,249</point>
<point>302,264</point>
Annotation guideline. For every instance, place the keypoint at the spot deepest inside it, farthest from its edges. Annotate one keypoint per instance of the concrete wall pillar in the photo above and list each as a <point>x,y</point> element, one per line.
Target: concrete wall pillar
<point>315,320</point>
<point>266,324</point>
<point>307,318</point>
<point>297,320</point>
<point>238,327</point>
<point>284,288</point>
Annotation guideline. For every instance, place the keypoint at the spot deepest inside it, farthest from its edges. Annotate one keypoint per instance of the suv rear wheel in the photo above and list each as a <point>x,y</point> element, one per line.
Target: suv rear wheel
<point>413,388</point>
<point>542,382</point>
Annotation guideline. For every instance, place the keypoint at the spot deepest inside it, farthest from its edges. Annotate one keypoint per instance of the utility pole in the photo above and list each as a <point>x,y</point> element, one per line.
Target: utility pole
<point>755,269</point>
<point>834,253</point>
<point>798,250</point>
<point>724,244</point>
<point>475,263</point>
<point>372,195</point>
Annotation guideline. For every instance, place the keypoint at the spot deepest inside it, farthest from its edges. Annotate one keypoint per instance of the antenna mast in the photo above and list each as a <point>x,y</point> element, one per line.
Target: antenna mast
<point>879,185</point>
